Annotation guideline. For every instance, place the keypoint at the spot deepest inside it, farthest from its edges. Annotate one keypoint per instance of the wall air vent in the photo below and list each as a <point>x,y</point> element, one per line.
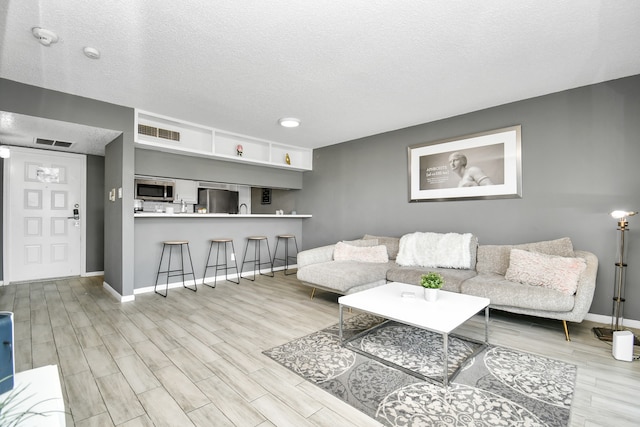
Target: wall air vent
<point>158,132</point>
<point>169,134</point>
<point>52,143</point>
<point>147,130</point>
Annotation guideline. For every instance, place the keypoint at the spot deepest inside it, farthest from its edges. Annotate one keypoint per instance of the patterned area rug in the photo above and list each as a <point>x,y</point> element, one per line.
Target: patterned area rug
<point>498,386</point>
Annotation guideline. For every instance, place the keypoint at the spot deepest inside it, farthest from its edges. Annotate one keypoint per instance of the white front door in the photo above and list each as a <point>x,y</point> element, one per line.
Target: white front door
<point>44,190</point>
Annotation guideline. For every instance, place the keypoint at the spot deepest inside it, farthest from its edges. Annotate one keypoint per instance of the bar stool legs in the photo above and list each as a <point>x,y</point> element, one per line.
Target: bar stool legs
<point>287,238</point>
<point>218,265</point>
<point>176,272</point>
<point>257,261</point>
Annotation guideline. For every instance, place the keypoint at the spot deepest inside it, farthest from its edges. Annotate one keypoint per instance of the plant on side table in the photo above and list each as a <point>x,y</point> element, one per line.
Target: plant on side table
<point>431,282</point>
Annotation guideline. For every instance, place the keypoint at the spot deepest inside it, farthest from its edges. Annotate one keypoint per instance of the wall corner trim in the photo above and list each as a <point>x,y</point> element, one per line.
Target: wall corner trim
<point>116,295</point>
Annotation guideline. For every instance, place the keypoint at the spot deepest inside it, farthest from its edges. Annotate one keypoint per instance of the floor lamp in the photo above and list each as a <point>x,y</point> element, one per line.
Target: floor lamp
<point>606,334</point>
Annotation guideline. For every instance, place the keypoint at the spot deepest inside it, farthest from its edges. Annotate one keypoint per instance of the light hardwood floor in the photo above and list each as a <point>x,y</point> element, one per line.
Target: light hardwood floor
<point>196,358</point>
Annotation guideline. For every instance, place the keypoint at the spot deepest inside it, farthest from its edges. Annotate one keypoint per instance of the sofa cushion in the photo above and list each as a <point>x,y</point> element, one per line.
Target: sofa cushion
<point>341,276</point>
<point>549,271</point>
<point>495,258</point>
<point>449,250</point>
<point>502,292</point>
<point>347,252</point>
<point>453,278</point>
<point>392,244</point>
<point>362,243</point>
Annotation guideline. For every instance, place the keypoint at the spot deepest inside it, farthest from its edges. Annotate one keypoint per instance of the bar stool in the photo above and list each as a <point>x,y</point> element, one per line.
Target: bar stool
<point>287,238</point>
<point>224,241</point>
<point>178,272</point>
<point>257,260</point>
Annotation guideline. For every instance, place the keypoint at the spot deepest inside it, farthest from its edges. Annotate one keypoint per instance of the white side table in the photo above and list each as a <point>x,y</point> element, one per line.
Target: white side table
<point>40,392</point>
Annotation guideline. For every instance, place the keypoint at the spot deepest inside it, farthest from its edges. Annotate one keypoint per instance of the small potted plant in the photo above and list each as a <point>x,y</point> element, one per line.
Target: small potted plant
<point>431,282</point>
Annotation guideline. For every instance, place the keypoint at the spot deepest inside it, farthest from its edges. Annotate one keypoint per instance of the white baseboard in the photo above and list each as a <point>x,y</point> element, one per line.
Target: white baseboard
<point>92,274</point>
<point>599,318</point>
<point>209,279</point>
<point>116,294</point>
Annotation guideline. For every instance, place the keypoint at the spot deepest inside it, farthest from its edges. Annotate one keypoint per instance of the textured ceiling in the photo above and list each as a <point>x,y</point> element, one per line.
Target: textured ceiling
<point>347,69</point>
<point>22,130</point>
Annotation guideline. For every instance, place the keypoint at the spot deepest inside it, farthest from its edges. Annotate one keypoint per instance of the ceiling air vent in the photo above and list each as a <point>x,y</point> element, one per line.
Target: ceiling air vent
<point>52,143</point>
<point>158,132</point>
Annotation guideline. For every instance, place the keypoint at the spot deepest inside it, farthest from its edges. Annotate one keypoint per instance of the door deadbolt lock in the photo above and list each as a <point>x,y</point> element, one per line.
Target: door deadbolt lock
<point>76,213</point>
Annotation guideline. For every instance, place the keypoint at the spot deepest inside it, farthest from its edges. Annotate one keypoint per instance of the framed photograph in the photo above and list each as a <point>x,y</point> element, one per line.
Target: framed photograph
<point>485,165</point>
<point>266,196</point>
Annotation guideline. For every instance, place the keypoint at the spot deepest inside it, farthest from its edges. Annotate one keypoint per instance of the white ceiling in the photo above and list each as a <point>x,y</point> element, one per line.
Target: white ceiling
<point>347,69</point>
<point>22,130</point>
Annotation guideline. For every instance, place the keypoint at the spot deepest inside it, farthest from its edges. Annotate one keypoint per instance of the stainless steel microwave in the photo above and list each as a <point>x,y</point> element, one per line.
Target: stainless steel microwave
<point>156,190</point>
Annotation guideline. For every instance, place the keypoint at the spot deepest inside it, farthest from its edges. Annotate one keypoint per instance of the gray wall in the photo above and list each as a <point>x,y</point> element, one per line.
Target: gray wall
<point>580,150</point>
<point>157,163</point>
<point>118,230</point>
<point>151,232</point>
<point>119,226</point>
<point>95,214</point>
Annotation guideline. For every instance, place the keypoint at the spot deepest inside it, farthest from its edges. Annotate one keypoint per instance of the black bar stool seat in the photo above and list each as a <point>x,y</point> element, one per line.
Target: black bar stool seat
<point>221,241</point>
<point>287,238</point>
<point>257,259</point>
<point>176,272</point>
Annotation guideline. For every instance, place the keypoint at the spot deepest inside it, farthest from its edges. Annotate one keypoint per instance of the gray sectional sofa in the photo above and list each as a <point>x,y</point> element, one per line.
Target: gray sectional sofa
<point>488,275</point>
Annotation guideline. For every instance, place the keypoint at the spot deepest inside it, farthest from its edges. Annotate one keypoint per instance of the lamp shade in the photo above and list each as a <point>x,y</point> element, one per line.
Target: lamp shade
<point>619,214</point>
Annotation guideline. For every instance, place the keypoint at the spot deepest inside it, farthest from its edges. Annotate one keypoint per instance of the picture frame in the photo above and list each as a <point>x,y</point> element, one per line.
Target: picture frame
<point>485,165</point>
<point>266,196</point>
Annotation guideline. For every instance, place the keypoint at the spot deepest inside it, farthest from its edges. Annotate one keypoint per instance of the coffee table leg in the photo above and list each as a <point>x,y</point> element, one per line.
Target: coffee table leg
<point>486,325</point>
<point>340,322</point>
<point>445,341</point>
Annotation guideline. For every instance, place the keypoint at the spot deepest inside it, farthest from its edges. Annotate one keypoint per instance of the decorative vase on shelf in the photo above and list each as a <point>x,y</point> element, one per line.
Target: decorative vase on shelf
<point>239,150</point>
<point>431,282</point>
<point>287,159</point>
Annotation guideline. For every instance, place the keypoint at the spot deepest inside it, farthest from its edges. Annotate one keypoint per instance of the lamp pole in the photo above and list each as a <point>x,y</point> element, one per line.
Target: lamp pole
<point>618,297</point>
<point>606,334</point>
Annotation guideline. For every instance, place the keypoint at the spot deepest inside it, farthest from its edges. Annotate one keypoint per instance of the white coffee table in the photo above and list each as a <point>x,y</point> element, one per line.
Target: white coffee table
<point>35,391</point>
<point>442,316</point>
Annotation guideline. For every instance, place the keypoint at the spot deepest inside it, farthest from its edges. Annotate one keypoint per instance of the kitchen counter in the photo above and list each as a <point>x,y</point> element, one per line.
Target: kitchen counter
<point>152,228</point>
<point>213,215</point>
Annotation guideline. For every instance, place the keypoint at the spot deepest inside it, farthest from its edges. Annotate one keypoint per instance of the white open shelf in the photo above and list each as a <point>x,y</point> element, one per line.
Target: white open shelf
<point>198,140</point>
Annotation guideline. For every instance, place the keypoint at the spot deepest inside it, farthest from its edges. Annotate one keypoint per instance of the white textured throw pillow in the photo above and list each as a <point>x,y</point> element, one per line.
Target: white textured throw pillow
<point>549,271</point>
<point>347,252</point>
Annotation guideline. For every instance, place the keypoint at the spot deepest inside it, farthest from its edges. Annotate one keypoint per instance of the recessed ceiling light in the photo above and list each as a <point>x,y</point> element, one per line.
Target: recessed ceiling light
<point>289,122</point>
<point>91,52</point>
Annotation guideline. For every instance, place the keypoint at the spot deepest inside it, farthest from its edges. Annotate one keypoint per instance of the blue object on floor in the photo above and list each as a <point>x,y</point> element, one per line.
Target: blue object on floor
<point>7,362</point>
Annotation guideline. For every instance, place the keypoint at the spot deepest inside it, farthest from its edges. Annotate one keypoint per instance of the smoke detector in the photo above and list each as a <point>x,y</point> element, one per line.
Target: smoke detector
<point>45,37</point>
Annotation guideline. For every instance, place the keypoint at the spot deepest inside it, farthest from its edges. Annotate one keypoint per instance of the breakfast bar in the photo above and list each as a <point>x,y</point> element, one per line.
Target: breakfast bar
<point>151,229</point>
